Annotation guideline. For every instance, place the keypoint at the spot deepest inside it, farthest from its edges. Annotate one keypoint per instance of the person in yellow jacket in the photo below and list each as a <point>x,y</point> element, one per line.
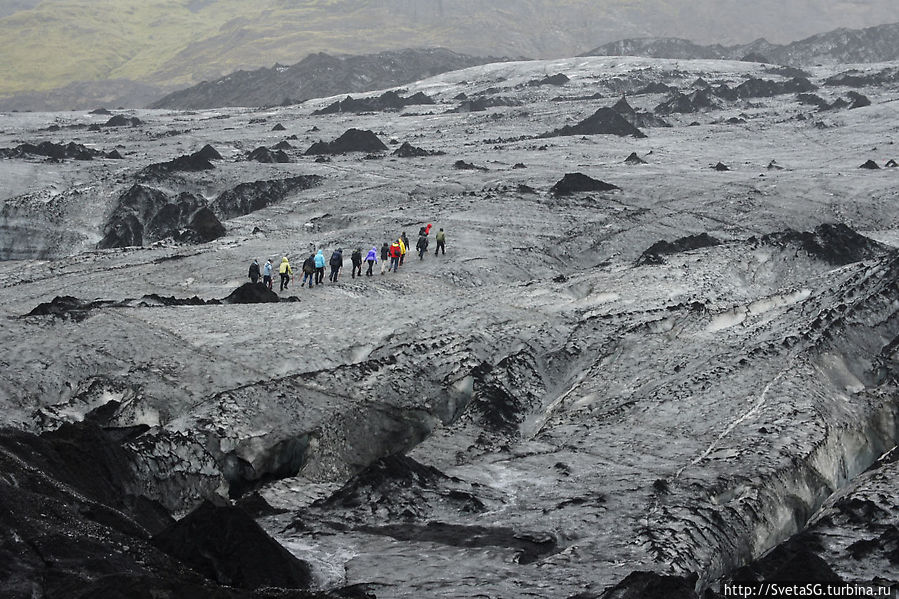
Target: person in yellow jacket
<point>285,272</point>
<point>402,243</point>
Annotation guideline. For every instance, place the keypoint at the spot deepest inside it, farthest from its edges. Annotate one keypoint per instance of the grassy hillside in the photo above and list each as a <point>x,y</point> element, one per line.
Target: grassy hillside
<point>45,45</point>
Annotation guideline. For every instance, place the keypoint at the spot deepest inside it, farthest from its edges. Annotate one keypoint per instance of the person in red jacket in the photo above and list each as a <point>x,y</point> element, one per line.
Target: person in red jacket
<point>394,254</point>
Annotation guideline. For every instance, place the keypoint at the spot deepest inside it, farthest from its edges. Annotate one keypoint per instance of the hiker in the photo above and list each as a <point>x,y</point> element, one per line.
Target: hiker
<point>422,246</point>
<point>309,271</point>
<point>385,254</point>
<point>319,267</point>
<point>395,256</point>
<point>356,259</point>
<point>441,242</point>
<point>336,263</point>
<point>267,274</point>
<point>404,244</point>
<point>425,230</point>
<point>285,272</point>
<point>371,258</point>
<point>254,271</point>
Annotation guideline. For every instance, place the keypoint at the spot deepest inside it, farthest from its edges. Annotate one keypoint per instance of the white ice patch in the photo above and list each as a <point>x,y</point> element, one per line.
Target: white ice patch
<point>739,314</point>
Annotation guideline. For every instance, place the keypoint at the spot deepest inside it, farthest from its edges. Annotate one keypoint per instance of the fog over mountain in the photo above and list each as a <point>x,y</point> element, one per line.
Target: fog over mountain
<point>50,44</point>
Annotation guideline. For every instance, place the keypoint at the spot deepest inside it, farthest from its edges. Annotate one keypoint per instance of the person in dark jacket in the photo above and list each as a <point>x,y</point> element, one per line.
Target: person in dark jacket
<point>404,247</point>
<point>336,264</point>
<point>254,271</point>
<point>422,246</point>
<point>356,258</point>
<point>385,254</point>
<point>372,258</point>
<point>309,271</point>
<point>441,242</point>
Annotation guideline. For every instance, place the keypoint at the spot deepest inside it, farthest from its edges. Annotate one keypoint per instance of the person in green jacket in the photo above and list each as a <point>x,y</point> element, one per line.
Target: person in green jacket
<point>441,242</point>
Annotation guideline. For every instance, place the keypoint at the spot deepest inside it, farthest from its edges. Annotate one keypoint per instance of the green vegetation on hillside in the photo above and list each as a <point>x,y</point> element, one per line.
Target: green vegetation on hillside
<point>45,45</point>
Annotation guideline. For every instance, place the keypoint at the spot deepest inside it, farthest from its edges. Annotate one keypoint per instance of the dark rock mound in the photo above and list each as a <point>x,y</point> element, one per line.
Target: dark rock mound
<point>389,100</point>
<point>353,140</point>
<point>652,585</point>
<point>407,150</point>
<point>50,150</point>
<point>856,78</point>
<point>114,155</point>
<point>145,214</point>
<point>263,154</point>
<point>467,166</point>
<point>252,293</point>
<point>813,100</point>
<point>870,164</point>
<point>102,111</point>
<point>202,227</point>
<point>67,308</point>
<point>604,121</point>
<point>279,127</point>
<point>794,560</point>
<point>250,197</point>
<point>686,103</point>
<point>483,103</point>
<point>891,163</point>
<point>121,120</point>
<point>857,100</point>
<point>773,166</point>
<point>283,145</point>
<point>74,523</point>
<point>156,300</point>
<point>634,159</point>
<point>578,182</point>
<point>191,163</point>
<point>207,152</point>
<point>836,244</point>
<point>227,546</point>
<point>654,254</point>
<point>766,88</point>
<point>636,118</point>
<point>721,167</point>
<point>385,477</point>
<point>557,79</point>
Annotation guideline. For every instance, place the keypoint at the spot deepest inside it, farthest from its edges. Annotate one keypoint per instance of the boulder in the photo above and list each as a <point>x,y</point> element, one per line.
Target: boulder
<point>578,182</point>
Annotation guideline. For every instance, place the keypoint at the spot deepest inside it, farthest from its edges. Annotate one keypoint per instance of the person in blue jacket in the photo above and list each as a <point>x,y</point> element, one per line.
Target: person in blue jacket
<point>267,273</point>
<point>319,267</point>
<point>372,259</point>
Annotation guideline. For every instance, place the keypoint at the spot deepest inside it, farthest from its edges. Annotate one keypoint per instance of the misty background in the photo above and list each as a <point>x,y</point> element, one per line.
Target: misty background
<point>57,54</point>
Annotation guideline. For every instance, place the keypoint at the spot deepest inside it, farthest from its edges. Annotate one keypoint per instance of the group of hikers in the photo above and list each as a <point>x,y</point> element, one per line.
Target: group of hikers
<point>391,257</point>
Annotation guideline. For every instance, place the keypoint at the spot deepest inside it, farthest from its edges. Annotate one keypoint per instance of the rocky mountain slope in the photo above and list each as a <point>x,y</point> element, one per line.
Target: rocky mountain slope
<point>50,44</point>
<point>622,375</point>
<point>317,76</point>
<point>873,44</point>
